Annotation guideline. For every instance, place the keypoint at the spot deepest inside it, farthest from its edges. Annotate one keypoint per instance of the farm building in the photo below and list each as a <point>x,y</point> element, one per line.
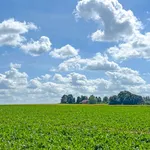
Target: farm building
<point>85,102</point>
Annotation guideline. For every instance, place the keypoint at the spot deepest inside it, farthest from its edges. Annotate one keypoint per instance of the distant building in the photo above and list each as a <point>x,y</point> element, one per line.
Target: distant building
<point>85,102</point>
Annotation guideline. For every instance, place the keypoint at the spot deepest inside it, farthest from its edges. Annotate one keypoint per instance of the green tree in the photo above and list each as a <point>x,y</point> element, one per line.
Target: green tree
<point>146,100</point>
<point>113,100</point>
<point>127,98</point>
<point>64,99</point>
<point>92,99</point>
<point>70,99</point>
<point>105,100</point>
<point>99,100</point>
<point>74,100</point>
<point>79,100</point>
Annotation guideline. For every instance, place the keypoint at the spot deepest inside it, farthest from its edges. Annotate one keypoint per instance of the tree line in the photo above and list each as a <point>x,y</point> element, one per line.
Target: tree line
<point>123,98</point>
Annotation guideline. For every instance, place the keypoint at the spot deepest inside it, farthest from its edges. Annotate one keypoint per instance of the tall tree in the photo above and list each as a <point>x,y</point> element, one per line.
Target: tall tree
<point>92,100</point>
<point>79,100</point>
<point>113,100</point>
<point>64,99</point>
<point>105,100</point>
<point>70,99</point>
<point>99,100</point>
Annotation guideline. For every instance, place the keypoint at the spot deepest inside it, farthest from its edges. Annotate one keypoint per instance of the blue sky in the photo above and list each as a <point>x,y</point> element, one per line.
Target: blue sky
<point>85,65</point>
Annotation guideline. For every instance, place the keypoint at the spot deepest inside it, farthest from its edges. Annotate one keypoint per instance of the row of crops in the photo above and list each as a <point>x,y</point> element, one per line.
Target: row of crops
<point>74,127</point>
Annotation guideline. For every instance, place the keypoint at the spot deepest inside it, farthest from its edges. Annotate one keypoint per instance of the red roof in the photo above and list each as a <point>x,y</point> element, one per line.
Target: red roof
<point>85,101</point>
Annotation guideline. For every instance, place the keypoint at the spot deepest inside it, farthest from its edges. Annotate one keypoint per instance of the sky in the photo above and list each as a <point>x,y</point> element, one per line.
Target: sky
<point>80,47</point>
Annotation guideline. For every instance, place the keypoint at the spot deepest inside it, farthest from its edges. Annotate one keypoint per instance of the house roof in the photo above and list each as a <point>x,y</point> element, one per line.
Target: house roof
<point>84,101</point>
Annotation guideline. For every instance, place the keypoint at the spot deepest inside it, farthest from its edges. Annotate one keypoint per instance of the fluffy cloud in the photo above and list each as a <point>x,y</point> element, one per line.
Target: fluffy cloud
<point>125,76</point>
<point>122,79</point>
<point>11,32</point>
<point>13,79</point>
<point>15,87</point>
<point>17,66</point>
<point>46,77</point>
<point>64,52</point>
<point>117,23</point>
<point>74,63</point>
<point>139,47</point>
<point>98,62</point>
<point>79,84</point>
<point>36,48</point>
<point>143,90</point>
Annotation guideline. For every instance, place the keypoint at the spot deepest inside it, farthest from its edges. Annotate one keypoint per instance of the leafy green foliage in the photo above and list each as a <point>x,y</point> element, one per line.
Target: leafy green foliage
<point>68,99</point>
<point>113,100</point>
<point>99,100</point>
<point>92,99</point>
<point>123,98</point>
<point>74,127</point>
<point>126,98</point>
<point>105,99</point>
<point>64,99</point>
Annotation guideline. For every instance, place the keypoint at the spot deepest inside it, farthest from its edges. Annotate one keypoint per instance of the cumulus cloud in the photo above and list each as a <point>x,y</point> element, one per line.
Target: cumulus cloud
<point>122,79</point>
<point>117,23</point>
<point>58,78</point>
<point>98,62</point>
<point>125,76</point>
<point>64,52</point>
<point>46,77</point>
<point>78,83</point>
<point>13,78</point>
<point>17,66</point>
<point>138,47</point>
<point>71,64</point>
<point>12,34</point>
<point>36,48</point>
<point>143,90</point>
<point>16,87</point>
<point>11,31</point>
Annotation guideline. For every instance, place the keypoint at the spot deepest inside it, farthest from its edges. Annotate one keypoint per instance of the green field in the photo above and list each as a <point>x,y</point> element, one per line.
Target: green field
<point>74,127</point>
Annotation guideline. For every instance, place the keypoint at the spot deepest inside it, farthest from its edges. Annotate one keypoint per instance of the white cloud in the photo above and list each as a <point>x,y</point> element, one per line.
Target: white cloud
<point>46,77</point>
<point>117,23</point>
<point>143,90</point>
<point>13,78</point>
<point>64,52</point>
<point>34,83</point>
<point>58,78</point>
<point>11,31</point>
<point>12,34</point>
<point>17,66</point>
<point>79,84</point>
<point>138,47</point>
<point>98,62</point>
<point>74,63</point>
<point>125,76</point>
<point>37,82</point>
<point>36,48</point>
<point>122,79</point>
<point>15,87</point>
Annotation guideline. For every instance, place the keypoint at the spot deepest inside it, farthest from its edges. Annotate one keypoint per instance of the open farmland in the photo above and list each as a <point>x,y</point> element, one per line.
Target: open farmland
<point>77,127</point>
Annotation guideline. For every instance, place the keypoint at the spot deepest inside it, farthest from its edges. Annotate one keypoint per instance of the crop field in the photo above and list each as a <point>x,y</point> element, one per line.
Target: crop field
<point>74,127</point>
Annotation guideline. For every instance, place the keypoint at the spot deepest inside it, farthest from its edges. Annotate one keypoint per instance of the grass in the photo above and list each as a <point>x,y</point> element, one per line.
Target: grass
<point>74,127</point>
